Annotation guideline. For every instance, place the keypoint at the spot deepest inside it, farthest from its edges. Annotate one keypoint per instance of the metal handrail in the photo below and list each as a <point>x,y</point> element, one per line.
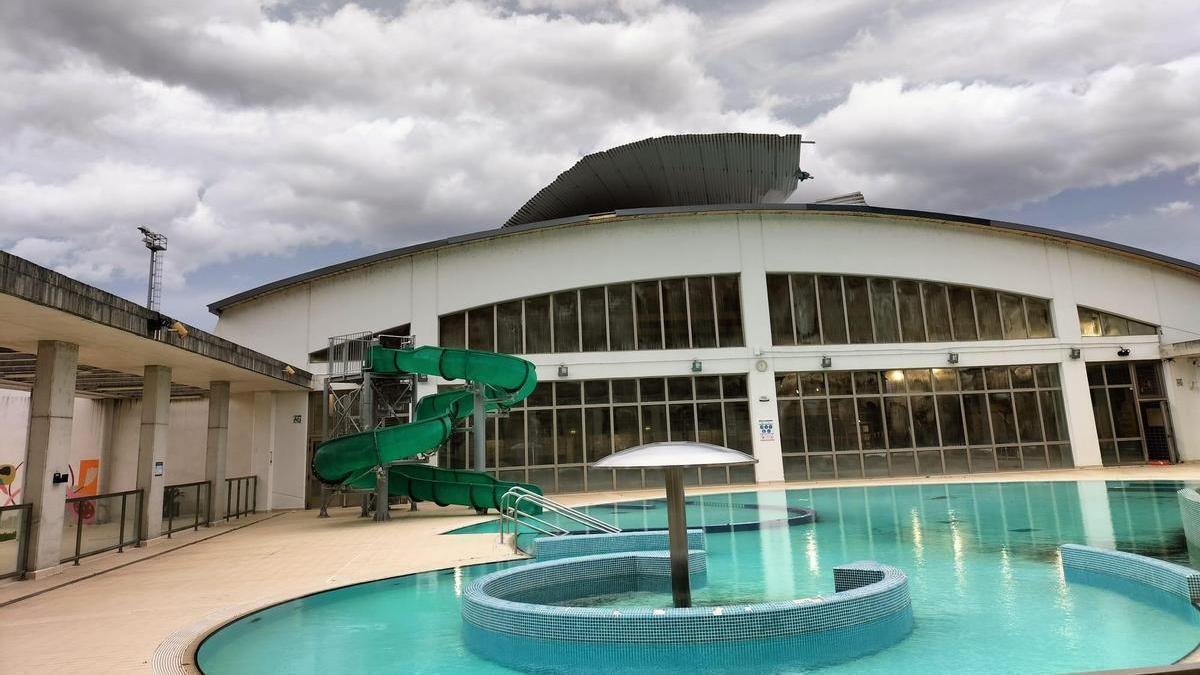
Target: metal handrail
<point>510,513</point>
<point>26,516</point>
<point>198,518</point>
<point>251,504</point>
<point>121,543</point>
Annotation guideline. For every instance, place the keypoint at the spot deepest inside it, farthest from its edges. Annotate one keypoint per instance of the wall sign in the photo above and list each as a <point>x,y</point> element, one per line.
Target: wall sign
<point>766,430</point>
<point>158,468</point>
<point>297,419</point>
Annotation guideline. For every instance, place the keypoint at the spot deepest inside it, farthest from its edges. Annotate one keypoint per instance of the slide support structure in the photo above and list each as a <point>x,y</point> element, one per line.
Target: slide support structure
<point>479,430</point>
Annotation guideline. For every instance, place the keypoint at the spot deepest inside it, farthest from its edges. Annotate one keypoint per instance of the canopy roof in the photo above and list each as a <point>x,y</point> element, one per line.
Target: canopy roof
<point>673,453</point>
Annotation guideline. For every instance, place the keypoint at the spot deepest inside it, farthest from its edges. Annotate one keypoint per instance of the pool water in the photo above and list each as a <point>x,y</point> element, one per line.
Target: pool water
<point>987,587</point>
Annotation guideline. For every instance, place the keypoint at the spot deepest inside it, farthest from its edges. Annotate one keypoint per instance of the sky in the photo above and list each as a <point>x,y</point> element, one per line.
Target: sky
<point>269,137</point>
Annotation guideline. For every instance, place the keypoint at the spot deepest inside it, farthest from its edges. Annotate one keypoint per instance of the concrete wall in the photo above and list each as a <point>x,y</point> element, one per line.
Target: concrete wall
<point>292,323</point>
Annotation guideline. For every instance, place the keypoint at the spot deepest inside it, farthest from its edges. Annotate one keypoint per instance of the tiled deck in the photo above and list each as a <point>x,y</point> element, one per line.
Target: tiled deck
<point>84,622</point>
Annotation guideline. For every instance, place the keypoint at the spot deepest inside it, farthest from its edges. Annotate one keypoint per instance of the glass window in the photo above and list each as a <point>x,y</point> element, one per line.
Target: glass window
<point>791,426</point>
<point>1047,376</point>
<point>675,317</point>
<point>541,436</point>
<point>543,395</point>
<point>1124,412</point>
<point>925,426</point>
<point>566,393</point>
<point>1004,427</point>
<point>971,378</point>
<point>1114,325</point>
<point>595,392</point>
<point>683,422</point>
<point>1139,328</point>
<point>918,380</point>
<point>866,382</point>
<point>845,424</point>
<point>780,301</point>
<point>1089,322</point>
<point>804,310</point>
<point>509,337</point>
<point>945,379</point>
<point>704,319</point>
<point>1149,385</point>
<point>537,325</point>
<point>709,427</point>
<point>707,387</point>
<point>987,313</point>
<point>653,389</point>
<point>1029,425</point>
<point>729,311</point>
<point>787,384</point>
<point>593,318</point>
<point>870,423</point>
<point>649,317</point>
<point>883,311</point>
<point>570,436</point>
<point>1100,411</point>
<point>480,331</point>
<point>839,383</point>
<point>1022,377</point>
<point>1038,312</point>
<point>896,411</point>
<point>1053,420</point>
<point>737,427</point>
<point>624,391</point>
<point>816,426</point>
<point>654,423</point>
<point>625,427</point>
<point>452,330</point>
<point>997,378</point>
<point>950,420</point>
<point>937,312</point>
<point>912,323</point>
<point>679,388</point>
<point>1012,313</point>
<point>975,411</point>
<point>733,386</point>
<point>620,318</point>
<point>893,382</point>
<point>858,310</point>
<point>1117,373</point>
<point>833,313</point>
<point>962,314</point>
<point>812,384</point>
<point>512,439</point>
<point>566,322</point>
<point>1095,375</point>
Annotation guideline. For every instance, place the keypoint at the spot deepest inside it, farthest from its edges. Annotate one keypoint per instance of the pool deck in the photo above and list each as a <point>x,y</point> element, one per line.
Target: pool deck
<point>139,610</point>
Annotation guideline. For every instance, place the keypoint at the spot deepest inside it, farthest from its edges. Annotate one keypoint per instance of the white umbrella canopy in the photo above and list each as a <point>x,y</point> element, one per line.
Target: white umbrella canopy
<point>673,453</point>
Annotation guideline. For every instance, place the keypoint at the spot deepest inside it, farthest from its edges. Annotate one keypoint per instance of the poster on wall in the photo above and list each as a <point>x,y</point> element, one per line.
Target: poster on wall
<point>766,430</point>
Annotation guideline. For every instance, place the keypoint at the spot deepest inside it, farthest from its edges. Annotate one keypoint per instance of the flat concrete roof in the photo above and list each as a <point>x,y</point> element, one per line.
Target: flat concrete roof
<point>116,340</point>
<point>625,214</point>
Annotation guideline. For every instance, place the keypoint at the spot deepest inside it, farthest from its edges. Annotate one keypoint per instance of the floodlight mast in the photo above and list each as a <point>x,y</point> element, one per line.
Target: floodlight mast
<point>157,243</point>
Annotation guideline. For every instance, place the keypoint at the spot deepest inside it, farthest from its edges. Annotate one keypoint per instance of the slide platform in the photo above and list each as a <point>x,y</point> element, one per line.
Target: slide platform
<point>349,461</point>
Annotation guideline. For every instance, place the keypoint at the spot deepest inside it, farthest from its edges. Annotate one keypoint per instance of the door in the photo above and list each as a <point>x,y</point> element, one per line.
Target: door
<point>1156,426</point>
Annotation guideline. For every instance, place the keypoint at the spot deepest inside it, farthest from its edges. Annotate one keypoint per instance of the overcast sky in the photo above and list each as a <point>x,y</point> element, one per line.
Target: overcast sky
<point>267,138</point>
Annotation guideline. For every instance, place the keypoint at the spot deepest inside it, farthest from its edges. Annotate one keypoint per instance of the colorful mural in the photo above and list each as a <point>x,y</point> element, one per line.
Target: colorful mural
<point>85,484</point>
<point>8,478</point>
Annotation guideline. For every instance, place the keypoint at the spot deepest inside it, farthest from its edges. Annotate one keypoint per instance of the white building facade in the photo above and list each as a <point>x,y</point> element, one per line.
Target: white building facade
<point>830,341</point>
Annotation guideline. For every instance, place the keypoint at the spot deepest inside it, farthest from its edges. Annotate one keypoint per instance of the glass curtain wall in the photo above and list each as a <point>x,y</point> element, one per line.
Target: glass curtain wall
<point>854,424</point>
<point>1129,405</point>
<point>563,426</point>
<point>808,309</point>
<point>1095,323</point>
<point>679,313</point>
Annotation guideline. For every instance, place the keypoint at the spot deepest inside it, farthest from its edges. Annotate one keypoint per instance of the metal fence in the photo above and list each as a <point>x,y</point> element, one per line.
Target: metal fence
<point>101,523</point>
<point>14,539</point>
<point>186,505</point>
<point>241,496</point>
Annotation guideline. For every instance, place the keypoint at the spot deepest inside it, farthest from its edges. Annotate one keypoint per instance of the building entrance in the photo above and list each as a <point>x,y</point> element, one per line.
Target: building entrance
<point>1130,408</point>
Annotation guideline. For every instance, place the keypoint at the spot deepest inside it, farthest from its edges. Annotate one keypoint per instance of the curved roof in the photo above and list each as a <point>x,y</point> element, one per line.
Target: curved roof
<point>680,170</point>
<point>839,209</point>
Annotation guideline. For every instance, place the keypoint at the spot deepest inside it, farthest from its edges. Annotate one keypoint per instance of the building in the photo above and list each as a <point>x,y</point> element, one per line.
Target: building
<point>664,293</point>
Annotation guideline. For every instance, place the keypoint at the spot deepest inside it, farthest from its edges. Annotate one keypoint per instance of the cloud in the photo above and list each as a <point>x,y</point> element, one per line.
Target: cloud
<point>1174,208</point>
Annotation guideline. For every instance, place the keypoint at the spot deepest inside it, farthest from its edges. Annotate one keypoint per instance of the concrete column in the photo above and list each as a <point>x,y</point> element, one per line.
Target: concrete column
<point>1081,421</point>
<point>218,447</point>
<point>756,323</point>
<point>47,450</point>
<point>152,447</point>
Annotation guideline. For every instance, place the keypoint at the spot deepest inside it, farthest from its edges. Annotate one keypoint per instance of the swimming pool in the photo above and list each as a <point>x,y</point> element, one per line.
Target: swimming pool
<point>988,592</point>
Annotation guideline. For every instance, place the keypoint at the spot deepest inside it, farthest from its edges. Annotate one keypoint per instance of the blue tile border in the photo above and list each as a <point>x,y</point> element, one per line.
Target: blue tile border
<point>508,615</point>
<point>1189,512</point>
<point>1177,580</point>
<point>571,545</point>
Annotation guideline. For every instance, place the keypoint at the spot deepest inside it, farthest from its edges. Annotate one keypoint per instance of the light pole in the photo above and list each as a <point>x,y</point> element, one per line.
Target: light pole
<point>157,243</point>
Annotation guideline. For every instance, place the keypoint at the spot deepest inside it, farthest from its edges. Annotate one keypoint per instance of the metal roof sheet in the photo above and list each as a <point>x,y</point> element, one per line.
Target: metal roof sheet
<point>686,169</point>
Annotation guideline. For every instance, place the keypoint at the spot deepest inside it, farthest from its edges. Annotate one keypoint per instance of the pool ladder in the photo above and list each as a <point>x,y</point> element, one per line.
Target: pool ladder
<point>511,517</point>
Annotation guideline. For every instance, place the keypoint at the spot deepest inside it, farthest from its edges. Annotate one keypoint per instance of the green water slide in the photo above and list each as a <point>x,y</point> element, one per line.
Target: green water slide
<point>350,461</point>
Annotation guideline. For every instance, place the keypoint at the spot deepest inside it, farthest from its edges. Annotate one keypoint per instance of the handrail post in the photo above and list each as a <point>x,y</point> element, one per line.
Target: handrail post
<point>228,496</point>
<point>238,515</point>
<point>141,505</point>
<point>254,503</point>
<point>170,511</point>
<point>78,530</point>
<point>121,530</point>
<point>196,513</point>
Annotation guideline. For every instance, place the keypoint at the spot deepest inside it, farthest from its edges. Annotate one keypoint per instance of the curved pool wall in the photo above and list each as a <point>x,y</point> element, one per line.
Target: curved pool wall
<point>1189,512</point>
<point>1158,582</point>
<point>511,616</point>
<point>549,548</point>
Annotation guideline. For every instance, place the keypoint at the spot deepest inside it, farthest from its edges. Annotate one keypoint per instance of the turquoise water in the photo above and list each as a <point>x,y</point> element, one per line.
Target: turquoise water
<point>987,588</point>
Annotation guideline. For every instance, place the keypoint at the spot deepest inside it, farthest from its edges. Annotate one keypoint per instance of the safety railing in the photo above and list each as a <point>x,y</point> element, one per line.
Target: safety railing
<point>186,505</point>
<point>512,518</point>
<point>15,521</point>
<point>100,523</point>
<point>241,496</point>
